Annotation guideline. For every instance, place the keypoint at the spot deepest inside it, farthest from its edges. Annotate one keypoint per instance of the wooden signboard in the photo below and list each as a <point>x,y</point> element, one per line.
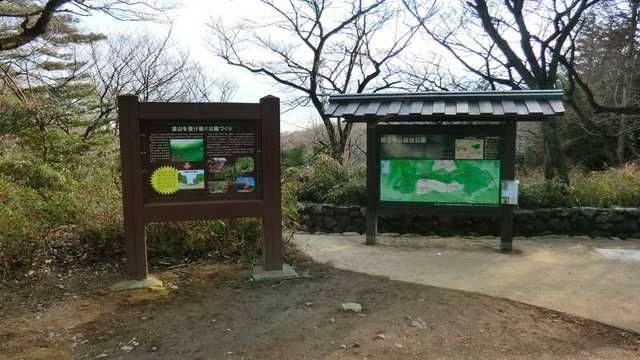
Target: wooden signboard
<point>442,170</point>
<point>198,161</point>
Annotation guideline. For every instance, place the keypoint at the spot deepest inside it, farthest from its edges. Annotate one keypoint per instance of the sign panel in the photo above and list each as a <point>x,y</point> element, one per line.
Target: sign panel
<point>440,169</point>
<point>510,192</point>
<point>200,160</point>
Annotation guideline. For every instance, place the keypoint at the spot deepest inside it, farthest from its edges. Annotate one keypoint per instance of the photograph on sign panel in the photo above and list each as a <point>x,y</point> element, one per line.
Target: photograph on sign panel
<point>221,168</point>
<point>440,181</point>
<point>219,187</point>
<point>187,150</point>
<point>244,165</point>
<point>191,179</point>
<point>245,184</point>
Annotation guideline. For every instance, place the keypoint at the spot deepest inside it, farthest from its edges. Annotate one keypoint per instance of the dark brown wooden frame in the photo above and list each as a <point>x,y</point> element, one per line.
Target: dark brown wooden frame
<point>504,127</point>
<point>137,213</point>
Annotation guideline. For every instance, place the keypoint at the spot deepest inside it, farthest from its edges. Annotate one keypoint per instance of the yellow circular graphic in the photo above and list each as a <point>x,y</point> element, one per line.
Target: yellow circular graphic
<point>164,180</point>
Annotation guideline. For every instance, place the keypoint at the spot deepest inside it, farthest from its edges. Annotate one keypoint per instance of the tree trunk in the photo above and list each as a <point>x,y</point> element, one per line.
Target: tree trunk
<point>627,81</point>
<point>332,138</point>
<point>345,136</point>
<point>621,142</point>
<point>555,164</point>
<point>609,153</point>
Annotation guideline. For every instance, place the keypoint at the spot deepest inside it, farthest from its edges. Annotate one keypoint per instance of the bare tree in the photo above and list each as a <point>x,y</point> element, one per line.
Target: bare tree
<point>151,68</point>
<point>420,74</point>
<point>628,49</point>
<point>514,44</point>
<point>21,21</point>
<point>225,88</point>
<point>324,53</point>
<point>603,67</point>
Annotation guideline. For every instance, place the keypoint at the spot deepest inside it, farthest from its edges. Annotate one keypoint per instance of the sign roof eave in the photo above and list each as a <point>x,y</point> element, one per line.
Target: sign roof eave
<point>521,104</point>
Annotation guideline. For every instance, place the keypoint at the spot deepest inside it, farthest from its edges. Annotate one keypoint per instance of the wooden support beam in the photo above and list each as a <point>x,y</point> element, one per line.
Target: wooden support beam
<point>133,212</point>
<point>508,173</point>
<point>272,211</point>
<point>373,179</point>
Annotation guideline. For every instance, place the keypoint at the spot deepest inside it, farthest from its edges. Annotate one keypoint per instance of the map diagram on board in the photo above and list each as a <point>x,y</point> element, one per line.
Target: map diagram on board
<point>469,148</point>
<point>440,181</point>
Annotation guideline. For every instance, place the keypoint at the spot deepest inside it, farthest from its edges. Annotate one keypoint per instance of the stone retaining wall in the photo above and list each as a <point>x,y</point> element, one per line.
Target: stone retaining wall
<point>585,221</point>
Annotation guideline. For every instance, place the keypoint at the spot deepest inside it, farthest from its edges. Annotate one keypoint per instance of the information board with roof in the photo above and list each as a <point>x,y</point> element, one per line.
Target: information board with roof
<point>444,153</point>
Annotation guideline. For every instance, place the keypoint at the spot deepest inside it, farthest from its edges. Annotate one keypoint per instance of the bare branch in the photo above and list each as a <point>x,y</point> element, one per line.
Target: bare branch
<point>31,21</point>
<point>316,55</point>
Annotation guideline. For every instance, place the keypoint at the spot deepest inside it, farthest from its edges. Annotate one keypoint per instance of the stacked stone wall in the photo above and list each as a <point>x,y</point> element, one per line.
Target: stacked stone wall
<point>620,222</point>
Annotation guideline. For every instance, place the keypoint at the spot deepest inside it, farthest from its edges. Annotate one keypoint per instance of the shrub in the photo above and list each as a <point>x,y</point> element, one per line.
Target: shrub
<point>327,180</point>
<point>292,157</point>
<point>221,239</point>
<point>32,174</point>
<point>543,194</point>
<point>353,192</point>
<point>612,187</point>
<point>22,228</point>
<point>101,241</point>
<point>291,186</point>
<point>36,200</point>
<point>607,188</point>
<point>97,198</point>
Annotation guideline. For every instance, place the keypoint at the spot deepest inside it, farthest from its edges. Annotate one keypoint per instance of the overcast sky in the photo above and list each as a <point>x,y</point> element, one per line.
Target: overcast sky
<point>190,32</point>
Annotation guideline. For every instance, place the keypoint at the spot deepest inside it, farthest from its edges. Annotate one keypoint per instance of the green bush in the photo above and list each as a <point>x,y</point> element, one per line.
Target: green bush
<point>353,192</point>
<point>220,239</point>
<point>612,187</point>
<point>291,185</point>
<point>543,194</point>
<point>22,227</point>
<point>33,174</point>
<point>35,202</point>
<point>292,157</point>
<point>607,188</point>
<point>97,197</point>
<point>101,241</point>
<point>327,180</point>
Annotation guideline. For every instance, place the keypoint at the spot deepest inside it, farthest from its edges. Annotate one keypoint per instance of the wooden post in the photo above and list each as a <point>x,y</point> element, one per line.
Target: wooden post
<point>272,211</point>
<point>373,188</point>
<point>508,173</point>
<point>132,203</point>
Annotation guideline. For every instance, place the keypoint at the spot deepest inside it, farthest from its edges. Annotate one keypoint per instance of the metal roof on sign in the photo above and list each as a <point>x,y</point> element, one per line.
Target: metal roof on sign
<point>525,104</point>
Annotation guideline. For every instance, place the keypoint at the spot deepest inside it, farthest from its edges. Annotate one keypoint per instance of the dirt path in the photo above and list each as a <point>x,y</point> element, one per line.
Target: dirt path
<point>213,312</point>
<point>562,273</point>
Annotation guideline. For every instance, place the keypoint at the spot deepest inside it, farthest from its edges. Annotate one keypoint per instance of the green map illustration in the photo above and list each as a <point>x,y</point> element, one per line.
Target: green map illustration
<point>440,181</point>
